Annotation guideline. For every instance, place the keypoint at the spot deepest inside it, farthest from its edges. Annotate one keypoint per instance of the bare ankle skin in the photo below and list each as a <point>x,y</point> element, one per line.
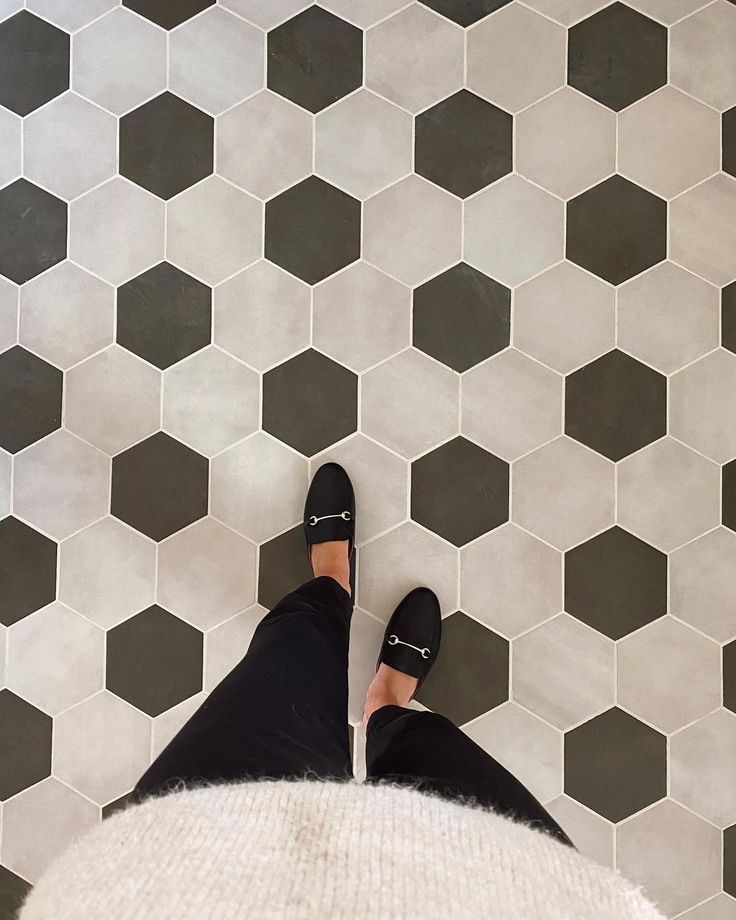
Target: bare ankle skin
<point>331,558</point>
<point>388,688</point>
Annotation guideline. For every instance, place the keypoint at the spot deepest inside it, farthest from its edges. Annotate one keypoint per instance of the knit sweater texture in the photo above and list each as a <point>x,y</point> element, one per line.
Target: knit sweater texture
<point>323,850</point>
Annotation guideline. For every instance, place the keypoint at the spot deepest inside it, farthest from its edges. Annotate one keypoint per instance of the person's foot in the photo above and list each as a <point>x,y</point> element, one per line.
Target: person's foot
<point>329,524</point>
<point>388,688</point>
<point>331,558</point>
<point>410,647</point>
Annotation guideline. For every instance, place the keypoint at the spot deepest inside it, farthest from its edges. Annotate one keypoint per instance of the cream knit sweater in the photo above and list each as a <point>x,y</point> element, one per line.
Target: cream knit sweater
<point>322,850</point>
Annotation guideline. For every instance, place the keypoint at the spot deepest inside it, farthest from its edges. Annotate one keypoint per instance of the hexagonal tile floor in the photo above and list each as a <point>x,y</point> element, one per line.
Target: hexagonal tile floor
<point>481,252</point>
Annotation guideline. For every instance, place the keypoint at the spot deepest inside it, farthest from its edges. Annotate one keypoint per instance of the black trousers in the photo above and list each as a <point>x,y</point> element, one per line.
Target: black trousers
<point>282,713</point>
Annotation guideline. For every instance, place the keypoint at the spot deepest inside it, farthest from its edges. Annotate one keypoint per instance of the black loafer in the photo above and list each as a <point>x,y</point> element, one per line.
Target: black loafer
<point>329,511</point>
<point>412,639</point>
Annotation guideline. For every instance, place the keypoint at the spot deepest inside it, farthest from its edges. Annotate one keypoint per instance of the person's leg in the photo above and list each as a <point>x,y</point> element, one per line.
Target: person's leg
<point>428,752</point>
<point>282,711</point>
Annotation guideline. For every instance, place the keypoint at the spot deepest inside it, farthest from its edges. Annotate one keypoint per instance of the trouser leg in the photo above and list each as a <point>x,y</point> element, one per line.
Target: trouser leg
<point>428,752</point>
<point>282,711</point>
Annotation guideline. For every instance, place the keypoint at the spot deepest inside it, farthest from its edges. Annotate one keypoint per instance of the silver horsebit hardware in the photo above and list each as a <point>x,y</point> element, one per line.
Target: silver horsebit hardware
<point>313,519</point>
<point>394,640</point>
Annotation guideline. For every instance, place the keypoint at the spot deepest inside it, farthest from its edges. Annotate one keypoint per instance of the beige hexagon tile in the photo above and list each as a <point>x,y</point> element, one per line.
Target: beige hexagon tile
<point>702,405</point>
<point>8,313</point>
<point>563,493</point>
<point>513,230</point>
<point>214,230</point>
<point>667,494</point>
<point>703,229</point>
<point>63,298</point>
<point>409,403</point>
<point>701,55</point>
<point>650,667</point>
<point>361,316</point>
<point>414,58</point>
<point>701,757</point>
<point>116,230</point>
<point>283,154</point>
<point>8,7</point>
<point>511,404</point>
<point>515,57</point>
<point>215,60</point>
<point>363,14</point>
<point>11,163</point>
<point>566,142</point>
<point>61,484</point>
<point>380,479</point>
<point>51,146</point>
<point>566,12</point>
<point>206,573</point>
<point>668,142</point>
<point>667,317</point>
<point>363,144</point>
<point>564,317</point>
<point>721,907</point>
<point>510,580</point>
<point>591,834</point>
<point>528,747</point>
<point>199,396</point>
<point>359,768</point>
<point>262,315</point>
<point>412,230</point>
<point>702,586</point>
<point>123,44</point>
<point>674,855</point>
<point>5,483</point>
<point>70,14</point>
<point>400,560</point>
<point>563,671</point>
<point>266,13</point>
<point>366,638</point>
<point>40,823</point>
<point>258,487</point>
<point>113,399</point>
<point>169,723</point>
<point>667,11</point>
<point>116,739</point>
<point>226,644</point>
<point>107,572</point>
<point>56,658</point>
